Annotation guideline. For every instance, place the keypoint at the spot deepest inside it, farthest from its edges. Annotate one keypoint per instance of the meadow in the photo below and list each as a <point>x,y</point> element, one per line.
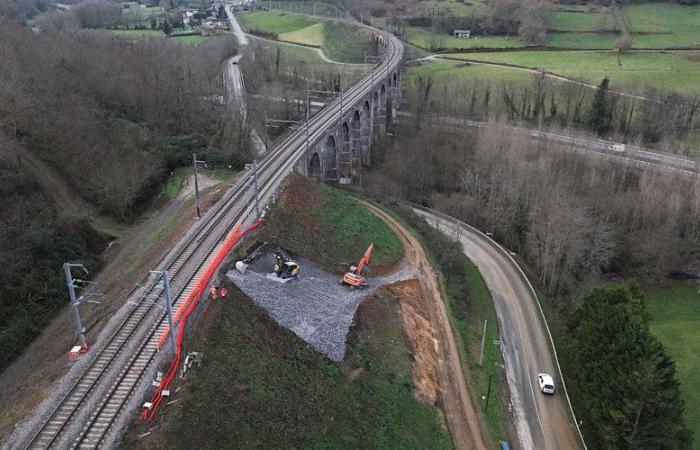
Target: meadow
<point>667,70</point>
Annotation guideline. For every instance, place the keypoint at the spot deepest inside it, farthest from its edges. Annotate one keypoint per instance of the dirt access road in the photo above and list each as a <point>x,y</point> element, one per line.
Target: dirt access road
<point>541,421</point>
<point>463,419</point>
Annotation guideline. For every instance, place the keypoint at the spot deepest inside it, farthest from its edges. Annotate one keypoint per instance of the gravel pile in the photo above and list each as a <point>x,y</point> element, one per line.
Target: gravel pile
<point>314,306</point>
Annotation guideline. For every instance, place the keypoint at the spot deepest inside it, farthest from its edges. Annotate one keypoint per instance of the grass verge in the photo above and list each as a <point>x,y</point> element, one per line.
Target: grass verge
<point>150,243</point>
<point>260,386</point>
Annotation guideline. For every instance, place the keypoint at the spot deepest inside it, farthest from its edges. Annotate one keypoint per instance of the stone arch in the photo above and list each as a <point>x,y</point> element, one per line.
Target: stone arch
<point>382,92</point>
<point>356,141</point>
<point>330,159</point>
<point>375,113</point>
<point>314,169</point>
<point>345,134</point>
<point>365,134</point>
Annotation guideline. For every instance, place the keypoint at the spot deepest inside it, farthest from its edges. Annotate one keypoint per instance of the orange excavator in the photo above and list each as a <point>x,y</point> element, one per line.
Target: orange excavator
<point>354,277</point>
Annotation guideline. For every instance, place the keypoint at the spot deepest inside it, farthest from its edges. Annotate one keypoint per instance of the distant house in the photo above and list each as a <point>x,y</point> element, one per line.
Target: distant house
<point>462,34</point>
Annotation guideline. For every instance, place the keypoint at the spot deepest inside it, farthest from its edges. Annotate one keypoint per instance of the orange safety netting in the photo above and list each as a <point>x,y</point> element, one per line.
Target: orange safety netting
<point>184,311</point>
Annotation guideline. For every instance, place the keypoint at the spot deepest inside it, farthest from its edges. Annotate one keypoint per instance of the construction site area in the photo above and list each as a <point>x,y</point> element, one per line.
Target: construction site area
<point>311,303</point>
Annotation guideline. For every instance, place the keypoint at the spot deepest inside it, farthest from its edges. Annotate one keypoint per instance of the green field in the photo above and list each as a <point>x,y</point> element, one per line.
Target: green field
<point>340,41</point>
<point>444,71</point>
<point>291,52</point>
<point>676,71</point>
<point>652,25</point>
<point>449,7</point>
<point>139,12</point>
<point>421,37</point>
<point>306,7</point>
<point>275,22</point>
<point>260,386</point>
<point>311,36</point>
<point>579,40</point>
<point>193,39</point>
<point>678,25</point>
<point>583,20</point>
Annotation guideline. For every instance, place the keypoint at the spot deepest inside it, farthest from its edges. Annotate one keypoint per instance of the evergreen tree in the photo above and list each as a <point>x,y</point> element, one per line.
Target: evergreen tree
<point>622,380</point>
<point>601,111</point>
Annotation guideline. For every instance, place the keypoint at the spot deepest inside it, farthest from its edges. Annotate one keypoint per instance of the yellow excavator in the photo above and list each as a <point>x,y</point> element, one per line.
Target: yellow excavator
<point>354,277</point>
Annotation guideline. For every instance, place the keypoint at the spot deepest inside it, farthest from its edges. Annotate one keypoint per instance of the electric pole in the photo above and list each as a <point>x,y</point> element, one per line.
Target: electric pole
<point>168,306</point>
<point>196,182</point>
<point>75,303</point>
<point>483,341</point>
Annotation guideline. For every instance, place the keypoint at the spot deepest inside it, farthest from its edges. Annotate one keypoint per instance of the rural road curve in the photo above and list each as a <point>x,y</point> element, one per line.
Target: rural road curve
<point>541,421</point>
<point>463,419</point>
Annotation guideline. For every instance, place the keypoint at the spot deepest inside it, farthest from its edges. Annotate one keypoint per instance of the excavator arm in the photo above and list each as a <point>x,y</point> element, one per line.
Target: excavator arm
<point>365,259</point>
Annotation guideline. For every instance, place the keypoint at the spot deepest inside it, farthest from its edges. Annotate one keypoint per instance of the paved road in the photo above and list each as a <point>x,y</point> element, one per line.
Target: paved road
<point>541,422</point>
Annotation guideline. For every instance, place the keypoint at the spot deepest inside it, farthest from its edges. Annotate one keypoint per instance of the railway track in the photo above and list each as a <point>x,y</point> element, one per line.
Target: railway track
<point>100,393</point>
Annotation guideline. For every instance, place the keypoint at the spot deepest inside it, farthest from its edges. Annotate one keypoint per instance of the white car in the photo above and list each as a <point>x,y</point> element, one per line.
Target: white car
<point>546,383</point>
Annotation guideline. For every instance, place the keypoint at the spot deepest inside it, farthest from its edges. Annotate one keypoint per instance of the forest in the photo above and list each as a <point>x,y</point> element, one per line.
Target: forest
<point>111,118</point>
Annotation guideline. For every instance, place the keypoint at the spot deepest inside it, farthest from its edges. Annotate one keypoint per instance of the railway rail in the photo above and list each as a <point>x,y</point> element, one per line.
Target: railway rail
<point>100,393</point>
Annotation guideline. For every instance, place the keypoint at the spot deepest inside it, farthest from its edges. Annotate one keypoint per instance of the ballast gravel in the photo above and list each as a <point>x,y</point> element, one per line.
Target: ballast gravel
<point>314,306</point>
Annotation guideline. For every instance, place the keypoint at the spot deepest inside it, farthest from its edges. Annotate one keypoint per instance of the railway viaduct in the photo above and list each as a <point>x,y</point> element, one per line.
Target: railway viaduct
<point>338,156</point>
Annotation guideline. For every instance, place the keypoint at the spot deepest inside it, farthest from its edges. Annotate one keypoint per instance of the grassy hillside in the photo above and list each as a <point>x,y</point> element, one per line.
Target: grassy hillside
<point>260,386</point>
<point>347,43</point>
<point>329,227</point>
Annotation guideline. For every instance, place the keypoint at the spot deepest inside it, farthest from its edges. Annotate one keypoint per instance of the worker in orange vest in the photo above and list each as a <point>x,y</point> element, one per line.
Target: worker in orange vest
<point>223,291</point>
<point>213,293</point>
